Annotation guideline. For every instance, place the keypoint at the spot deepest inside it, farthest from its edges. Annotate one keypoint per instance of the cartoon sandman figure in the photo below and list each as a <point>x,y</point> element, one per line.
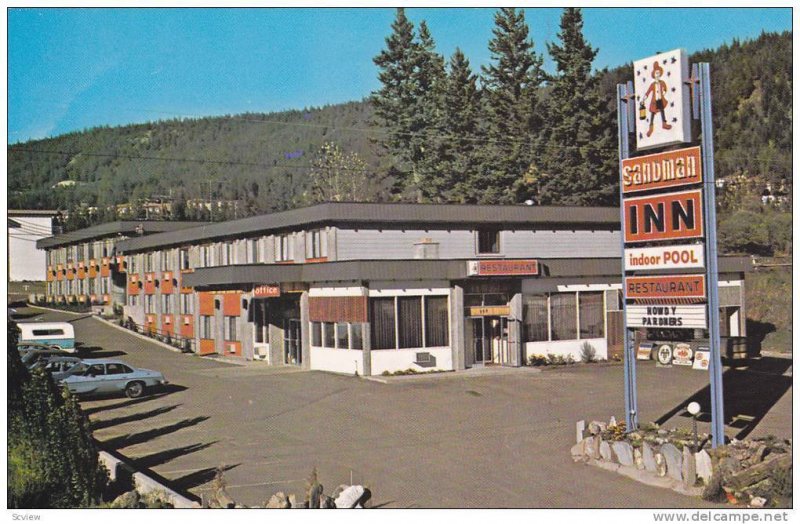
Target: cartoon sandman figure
<point>658,89</point>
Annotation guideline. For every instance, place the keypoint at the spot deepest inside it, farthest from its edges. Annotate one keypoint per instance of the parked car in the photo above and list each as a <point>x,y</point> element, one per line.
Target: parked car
<point>58,366</point>
<point>32,357</point>
<point>54,334</point>
<point>108,376</point>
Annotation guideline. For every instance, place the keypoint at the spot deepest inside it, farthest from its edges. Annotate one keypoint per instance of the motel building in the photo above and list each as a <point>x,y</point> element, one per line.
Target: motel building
<point>374,288</point>
<point>83,267</point>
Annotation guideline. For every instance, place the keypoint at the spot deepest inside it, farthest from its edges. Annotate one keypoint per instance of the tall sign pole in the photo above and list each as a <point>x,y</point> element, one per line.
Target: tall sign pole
<point>715,362</point>
<point>624,122</point>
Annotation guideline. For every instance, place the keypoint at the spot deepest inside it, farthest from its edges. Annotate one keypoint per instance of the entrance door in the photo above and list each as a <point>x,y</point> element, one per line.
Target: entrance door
<point>487,339</point>
<point>292,346</point>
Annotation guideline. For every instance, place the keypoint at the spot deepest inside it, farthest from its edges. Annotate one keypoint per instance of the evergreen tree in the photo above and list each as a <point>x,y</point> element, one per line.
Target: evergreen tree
<point>460,130</point>
<point>578,164</point>
<point>426,140</point>
<point>395,102</point>
<point>511,82</point>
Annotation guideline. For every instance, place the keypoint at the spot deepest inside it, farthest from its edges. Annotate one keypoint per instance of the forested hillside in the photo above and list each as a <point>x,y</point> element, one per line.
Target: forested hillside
<point>265,162</point>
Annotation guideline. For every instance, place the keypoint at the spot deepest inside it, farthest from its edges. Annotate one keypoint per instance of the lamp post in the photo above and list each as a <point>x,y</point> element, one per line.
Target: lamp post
<point>694,408</point>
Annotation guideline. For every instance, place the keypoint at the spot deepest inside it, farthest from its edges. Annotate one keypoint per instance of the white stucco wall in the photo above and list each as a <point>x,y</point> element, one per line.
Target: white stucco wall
<point>401,359</point>
<point>567,347</point>
<point>25,261</point>
<point>337,360</point>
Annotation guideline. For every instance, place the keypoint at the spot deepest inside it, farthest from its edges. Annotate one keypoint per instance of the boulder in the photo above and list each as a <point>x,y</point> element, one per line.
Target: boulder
<point>688,471</point>
<point>612,423</point>
<point>648,457</point>
<point>661,465</point>
<point>623,452</point>
<point>702,461</point>
<point>349,497</point>
<point>674,459</point>
<point>758,502</point>
<point>325,502</point>
<point>637,458</point>
<point>594,428</point>
<point>128,500</point>
<point>605,451</point>
<point>296,504</point>
<point>580,429</point>
<point>593,447</point>
<point>278,501</point>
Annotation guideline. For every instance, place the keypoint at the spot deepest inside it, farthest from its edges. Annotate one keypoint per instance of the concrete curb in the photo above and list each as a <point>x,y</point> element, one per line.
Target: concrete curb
<point>59,310</point>
<point>645,477</point>
<point>141,482</point>
<point>139,335</point>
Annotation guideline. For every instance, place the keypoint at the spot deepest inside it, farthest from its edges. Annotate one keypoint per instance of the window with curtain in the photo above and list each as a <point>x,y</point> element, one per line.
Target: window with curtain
<point>342,339</point>
<point>205,327</point>
<point>316,334</point>
<point>535,318</point>
<point>437,322</point>
<point>409,312</point>
<point>329,337</point>
<point>591,312</point>
<point>382,323</point>
<point>230,329</point>
<point>563,315</point>
<point>488,241</point>
<point>356,337</point>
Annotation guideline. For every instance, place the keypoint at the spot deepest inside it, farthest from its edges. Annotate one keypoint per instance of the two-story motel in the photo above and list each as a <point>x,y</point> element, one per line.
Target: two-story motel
<point>368,288</point>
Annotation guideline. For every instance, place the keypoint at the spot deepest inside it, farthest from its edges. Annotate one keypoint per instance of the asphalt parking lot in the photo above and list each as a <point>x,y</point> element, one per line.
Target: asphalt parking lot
<point>463,441</point>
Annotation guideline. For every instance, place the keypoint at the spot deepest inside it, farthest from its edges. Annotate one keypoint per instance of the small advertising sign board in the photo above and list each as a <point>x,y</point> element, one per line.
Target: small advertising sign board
<point>664,354</point>
<point>662,170</point>
<point>701,358</point>
<point>644,351</point>
<point>686,256</point>
<point>490,311</point>
<point>682,355</point>
<point>667,216</point>
<point>654,316</point>
<point>662,100</point>
<point>666,287</point>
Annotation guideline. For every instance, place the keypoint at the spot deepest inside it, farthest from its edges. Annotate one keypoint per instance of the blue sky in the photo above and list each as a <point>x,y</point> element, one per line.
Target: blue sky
<point>70,69</point>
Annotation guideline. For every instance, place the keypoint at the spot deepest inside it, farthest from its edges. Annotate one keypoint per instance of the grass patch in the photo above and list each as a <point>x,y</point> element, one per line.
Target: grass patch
<point>769,308</point>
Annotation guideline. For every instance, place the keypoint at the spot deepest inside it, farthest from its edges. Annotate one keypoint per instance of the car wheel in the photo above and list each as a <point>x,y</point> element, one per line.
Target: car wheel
<point>134,389</point>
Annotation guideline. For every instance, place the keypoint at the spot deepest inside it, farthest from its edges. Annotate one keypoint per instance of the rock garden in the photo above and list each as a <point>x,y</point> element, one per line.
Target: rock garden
<point>755,472</point>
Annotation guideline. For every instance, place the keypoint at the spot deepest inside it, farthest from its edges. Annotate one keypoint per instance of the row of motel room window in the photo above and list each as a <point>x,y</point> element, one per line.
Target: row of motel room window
<point>79,286</point>
<point>406,322</point>
<point>226,253</point>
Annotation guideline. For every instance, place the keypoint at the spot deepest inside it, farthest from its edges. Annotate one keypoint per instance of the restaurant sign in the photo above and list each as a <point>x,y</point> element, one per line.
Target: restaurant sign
<point>666,316</point>
<point>490,268</point>
<point>668,216</point>
<point>267,290</point>
<point>662,170</point>
<point>666,287</point>
<point>686,256</point>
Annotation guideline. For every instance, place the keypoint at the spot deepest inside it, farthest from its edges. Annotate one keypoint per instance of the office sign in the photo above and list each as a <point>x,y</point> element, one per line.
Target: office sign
<point>662,170</point>
<point>666,316</point>
<point>669,216</point>
<point>662,100</point>
<point>267,291</point>
<point>687,256</point>
<point>502,267</point>
<point>665,287</point>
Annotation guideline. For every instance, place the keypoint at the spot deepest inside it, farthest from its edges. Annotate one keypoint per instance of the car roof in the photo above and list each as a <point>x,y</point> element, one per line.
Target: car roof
<point>105,361</point>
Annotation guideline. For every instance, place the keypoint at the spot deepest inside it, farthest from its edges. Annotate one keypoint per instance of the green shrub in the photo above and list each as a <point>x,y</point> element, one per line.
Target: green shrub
<point>588,353</point>
<point>52,459</point>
